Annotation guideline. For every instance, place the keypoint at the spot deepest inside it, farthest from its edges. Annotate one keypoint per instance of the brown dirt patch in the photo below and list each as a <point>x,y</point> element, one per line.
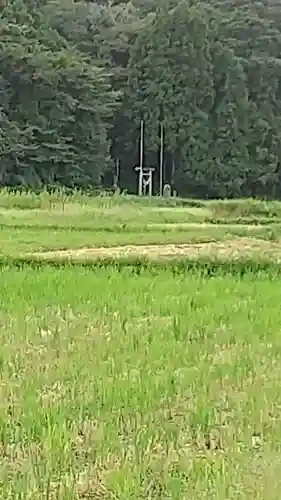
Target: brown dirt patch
<point>231,249</point>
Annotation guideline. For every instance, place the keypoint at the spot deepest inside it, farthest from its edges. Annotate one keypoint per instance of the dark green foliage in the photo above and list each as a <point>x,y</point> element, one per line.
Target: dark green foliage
<point>205,266</point>
<point>56,105</point>
<point>77,77</point>
<point>215,72</point>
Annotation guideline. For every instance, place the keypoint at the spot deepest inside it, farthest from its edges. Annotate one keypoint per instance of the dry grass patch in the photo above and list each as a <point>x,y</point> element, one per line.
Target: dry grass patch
<point>231,249</point>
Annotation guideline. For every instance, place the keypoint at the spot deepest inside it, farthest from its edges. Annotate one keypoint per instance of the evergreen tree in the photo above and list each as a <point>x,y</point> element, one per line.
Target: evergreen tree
<point>77,77</point>
<point>55,100</point>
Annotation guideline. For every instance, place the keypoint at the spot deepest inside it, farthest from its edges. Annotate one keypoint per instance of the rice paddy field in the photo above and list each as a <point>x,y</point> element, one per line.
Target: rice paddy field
<point>140,349</point>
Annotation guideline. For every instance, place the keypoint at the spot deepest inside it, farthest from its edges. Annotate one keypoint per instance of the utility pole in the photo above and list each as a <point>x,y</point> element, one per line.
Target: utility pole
<point>161,162</point>
<point>161,151</point>
<point>141,157</point>
<point>144,173</point>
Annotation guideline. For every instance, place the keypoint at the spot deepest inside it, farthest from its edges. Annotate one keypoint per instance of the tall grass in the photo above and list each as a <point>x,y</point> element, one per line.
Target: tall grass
<point>245,208</point>
<point>118,386</point>
<point>62,198</point>
<point>59,198</point>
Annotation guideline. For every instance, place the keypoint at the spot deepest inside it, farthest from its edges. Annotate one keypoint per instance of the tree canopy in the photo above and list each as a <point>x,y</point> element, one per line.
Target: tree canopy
<point>76,78</point>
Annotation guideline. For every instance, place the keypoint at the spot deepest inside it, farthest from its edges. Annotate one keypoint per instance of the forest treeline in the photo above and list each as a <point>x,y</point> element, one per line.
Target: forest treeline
<point>76,78</point>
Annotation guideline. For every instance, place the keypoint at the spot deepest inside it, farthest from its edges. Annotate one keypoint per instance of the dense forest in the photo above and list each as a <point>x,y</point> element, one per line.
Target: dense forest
<point>76,78</point>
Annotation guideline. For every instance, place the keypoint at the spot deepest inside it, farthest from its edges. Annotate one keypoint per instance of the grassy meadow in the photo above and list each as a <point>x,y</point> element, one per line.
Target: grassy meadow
<point>30,223</point>
<point>140,383</point>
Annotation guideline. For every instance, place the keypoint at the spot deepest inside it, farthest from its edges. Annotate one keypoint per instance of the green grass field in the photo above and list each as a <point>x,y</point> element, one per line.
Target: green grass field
<point>139,382</point>
<point>30,223</point>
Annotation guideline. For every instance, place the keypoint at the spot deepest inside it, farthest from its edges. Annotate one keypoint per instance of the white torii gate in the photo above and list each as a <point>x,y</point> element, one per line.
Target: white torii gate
<point>145,180</point>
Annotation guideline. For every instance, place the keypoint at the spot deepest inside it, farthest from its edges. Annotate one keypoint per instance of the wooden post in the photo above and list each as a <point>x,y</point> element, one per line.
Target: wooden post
<point>173,172</point>
<point>116,175</point>
<point>150,183</point>
<point>117,171</point>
